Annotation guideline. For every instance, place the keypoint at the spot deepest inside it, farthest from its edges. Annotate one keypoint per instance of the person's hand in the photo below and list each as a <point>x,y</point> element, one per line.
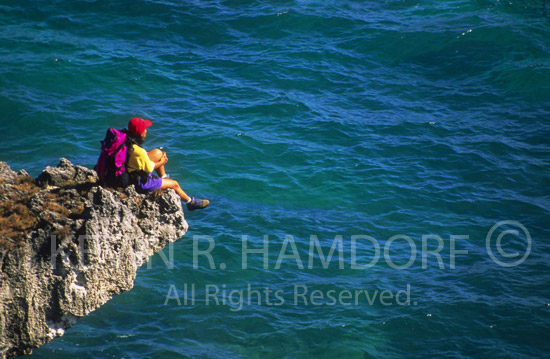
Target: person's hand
<point>164,158</point>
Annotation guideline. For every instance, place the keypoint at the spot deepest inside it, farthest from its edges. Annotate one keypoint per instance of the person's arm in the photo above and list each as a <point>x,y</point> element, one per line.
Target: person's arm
<point>163,160</point>
<point>143,162</point>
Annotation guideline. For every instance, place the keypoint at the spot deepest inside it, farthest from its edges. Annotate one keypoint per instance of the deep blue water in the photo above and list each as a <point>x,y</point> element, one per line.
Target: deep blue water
<point>407,127</point>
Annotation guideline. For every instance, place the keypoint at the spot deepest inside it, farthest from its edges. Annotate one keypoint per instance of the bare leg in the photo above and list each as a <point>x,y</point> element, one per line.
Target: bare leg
<point>170,183</point>
<point>155,156</point>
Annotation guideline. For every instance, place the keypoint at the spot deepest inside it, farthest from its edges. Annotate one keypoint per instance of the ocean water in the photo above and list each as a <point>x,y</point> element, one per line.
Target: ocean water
<point>378,171</point>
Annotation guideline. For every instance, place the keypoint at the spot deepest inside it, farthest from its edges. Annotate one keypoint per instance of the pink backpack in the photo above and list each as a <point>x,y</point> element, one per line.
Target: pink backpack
<point>111,164</point>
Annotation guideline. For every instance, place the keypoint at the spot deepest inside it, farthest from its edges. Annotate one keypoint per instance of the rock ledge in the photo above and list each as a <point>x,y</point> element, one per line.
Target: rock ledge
<point>67,246</point>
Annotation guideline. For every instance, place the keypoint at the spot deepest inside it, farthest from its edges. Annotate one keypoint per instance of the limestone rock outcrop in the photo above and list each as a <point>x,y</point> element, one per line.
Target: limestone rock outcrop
<point>68,245</point>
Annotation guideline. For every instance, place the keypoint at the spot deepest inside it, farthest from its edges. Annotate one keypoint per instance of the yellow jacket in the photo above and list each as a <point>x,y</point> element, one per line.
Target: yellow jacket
<point>139,160</point>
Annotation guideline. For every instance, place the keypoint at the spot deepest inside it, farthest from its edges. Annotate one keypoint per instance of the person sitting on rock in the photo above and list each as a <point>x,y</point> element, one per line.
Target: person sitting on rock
<point>141,165</point>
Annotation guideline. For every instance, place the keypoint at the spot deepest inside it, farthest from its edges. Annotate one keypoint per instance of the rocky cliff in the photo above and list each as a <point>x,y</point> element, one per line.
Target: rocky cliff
<point>67,245</point>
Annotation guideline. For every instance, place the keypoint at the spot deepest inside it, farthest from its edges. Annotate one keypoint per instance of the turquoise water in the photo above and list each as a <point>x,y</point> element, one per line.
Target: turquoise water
<point>410,126</point>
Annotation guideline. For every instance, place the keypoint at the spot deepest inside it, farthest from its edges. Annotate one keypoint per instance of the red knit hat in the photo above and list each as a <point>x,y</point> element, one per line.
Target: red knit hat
<point>138,125</point>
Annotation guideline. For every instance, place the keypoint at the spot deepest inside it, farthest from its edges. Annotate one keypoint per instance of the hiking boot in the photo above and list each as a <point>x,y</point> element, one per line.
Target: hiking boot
<point>197,204</point>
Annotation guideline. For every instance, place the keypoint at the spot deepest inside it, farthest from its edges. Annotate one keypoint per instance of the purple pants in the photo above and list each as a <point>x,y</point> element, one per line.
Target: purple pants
<point>151,184</point>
